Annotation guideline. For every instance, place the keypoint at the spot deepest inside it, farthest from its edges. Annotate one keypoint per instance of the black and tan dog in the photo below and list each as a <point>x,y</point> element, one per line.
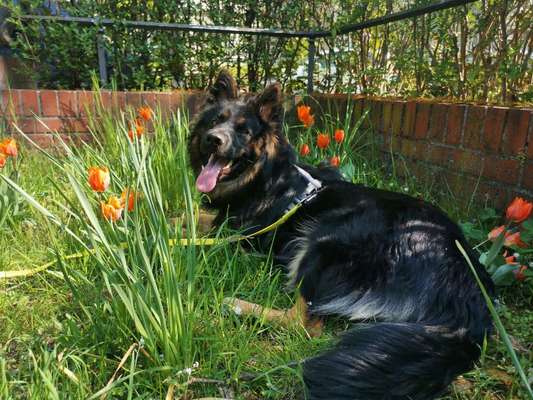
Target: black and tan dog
<point>383,259</point>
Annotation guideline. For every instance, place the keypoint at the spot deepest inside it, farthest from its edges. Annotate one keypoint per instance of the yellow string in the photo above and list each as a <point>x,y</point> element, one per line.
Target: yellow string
<point>172,242</point>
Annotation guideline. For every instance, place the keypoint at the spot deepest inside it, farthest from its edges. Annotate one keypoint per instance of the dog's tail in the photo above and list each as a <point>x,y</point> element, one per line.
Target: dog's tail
<point>390,361</point>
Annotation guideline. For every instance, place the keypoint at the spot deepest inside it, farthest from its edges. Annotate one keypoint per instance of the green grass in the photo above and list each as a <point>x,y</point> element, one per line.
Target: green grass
<point>156,310</point>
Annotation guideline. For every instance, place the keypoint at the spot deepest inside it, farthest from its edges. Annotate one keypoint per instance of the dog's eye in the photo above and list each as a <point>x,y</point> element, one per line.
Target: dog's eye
<point>243,129</point>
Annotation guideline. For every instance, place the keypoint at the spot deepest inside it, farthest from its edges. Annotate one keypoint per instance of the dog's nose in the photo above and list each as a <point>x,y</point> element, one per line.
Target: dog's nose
<point>214,140</point>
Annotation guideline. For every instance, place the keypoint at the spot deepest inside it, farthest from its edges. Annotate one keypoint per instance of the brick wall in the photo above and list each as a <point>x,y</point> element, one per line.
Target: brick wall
<point>466,148</point>
<point>455,146</point>
<point>66,111</point>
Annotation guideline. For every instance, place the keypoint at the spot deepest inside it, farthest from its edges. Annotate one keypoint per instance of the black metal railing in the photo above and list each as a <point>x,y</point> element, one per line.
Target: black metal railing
<point>311,36</point>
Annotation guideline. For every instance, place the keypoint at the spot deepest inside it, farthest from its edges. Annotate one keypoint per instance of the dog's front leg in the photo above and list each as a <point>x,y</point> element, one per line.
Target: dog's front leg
<point>204,222</point>
<point>296,315</point>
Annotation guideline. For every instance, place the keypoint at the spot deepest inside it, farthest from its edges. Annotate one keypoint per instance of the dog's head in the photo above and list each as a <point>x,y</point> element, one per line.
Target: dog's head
<point>234,137</point>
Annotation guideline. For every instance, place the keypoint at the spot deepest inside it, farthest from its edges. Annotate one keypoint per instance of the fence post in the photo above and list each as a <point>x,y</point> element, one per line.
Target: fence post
<point>310,64</point>
<point>101,56</point>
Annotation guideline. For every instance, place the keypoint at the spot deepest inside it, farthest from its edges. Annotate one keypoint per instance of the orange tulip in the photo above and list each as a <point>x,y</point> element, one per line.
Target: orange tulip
<point>8,147</point>
<point>513,239</point>
<point>305,117</point>
<point>137,131</point>
<point>335,161</point>
<point>519,210</point>
<point>519,273</point>
<point>322,140</point>
<point>112,210</point>
<point>510,260</point>
<point>99,178</point>
<point>131,199</point>
<point>145,113</point>
<point>339,135</point>
<point>493,234</point>
<point>3,159</point>
<point>304,150</point>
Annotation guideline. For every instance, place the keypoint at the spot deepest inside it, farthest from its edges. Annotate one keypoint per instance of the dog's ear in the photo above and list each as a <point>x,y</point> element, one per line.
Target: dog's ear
<point>268,104</point>
<point>225,88</point>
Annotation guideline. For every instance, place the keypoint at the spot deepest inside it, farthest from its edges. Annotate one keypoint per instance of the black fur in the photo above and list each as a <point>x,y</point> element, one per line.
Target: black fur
<point>362,253</point>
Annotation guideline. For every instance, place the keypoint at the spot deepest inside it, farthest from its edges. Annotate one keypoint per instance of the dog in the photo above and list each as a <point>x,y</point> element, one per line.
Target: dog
<point>384,260</point>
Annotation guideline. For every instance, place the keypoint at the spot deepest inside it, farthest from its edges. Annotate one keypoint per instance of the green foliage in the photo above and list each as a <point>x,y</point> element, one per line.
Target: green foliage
<point>474,52</point>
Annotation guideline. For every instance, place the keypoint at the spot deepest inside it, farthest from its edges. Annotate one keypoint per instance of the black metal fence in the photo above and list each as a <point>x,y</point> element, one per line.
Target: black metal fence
<point>310,36</point>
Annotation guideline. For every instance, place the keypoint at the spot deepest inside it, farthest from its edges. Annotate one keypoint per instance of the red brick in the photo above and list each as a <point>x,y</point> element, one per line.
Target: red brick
<point>44,140</point>
<point>49,124</point>
<point>516,129</point>
<point>177,99</point>
<point>493,128</point>
<point>10,103</point>
<point>408,148</point>
<point>75,125</point>
<point>86,104</point>
<point>527,179</point>
<point>386,116</point>
<point>194,101</point>
<point>437,122</point>
<point>501,170</point>
<point>29,102</point>
<point>455,124</point>
<point>119,101</point>
<point>68,103</point>
<point>473,129</point>
<point>422,149</point>
<point>422,120</point>
<point>164,102</point>
<point>408,126</point>
<point>468,162</point>
<point>105,100</point>
<point>385,143</point>
<point>375,115</point>
<point>493,195</point>
<point>461,186</point>
<point>439,155</point>
<point>133,100</point>
<point>49,104</point>
<point>395,144</point>
<point>358,104</point>
<point>397,112</point>
<point>26,125</point>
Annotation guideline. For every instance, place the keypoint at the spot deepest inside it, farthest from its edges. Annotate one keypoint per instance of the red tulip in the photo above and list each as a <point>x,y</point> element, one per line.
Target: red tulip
<point>513,239</point>
<point>519,210</point>
<point>112,210</point>
<point>8,147</point>
<point>304,150</point>
<point>493,234</point>
<point>339,135</point>
<point>322,140</point>
<point>145,113</point>
<point>304,115</point>
<point>132,198</point>
<point>335,161</point>
<point>99,178</point>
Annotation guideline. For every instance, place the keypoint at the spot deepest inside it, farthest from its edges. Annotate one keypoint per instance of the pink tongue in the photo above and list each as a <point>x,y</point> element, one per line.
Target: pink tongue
<point>207,180</point>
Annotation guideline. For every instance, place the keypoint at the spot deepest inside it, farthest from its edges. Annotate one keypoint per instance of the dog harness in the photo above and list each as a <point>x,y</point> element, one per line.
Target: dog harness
<point>313,187</point>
